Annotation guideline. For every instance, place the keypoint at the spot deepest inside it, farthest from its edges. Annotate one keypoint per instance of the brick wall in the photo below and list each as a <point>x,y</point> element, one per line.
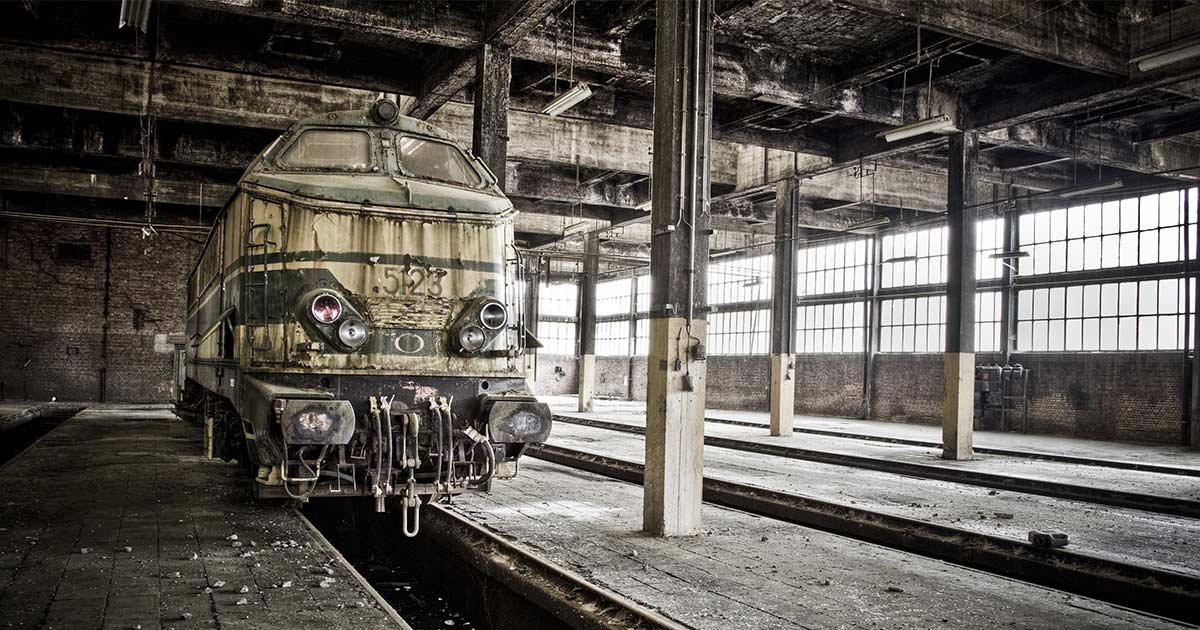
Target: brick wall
<point>54,344</point>
<point>556,375</point>
<point>1127,397</point>
<point>612,377</point>
<point>829,384</point>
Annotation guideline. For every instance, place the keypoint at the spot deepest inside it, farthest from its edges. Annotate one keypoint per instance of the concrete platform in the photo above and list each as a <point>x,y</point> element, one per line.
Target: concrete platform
<point>114,520</point>
<point>1157,484</point>
<point>746,572</point>
<point>1125,535</point>
<point>1179,456</point>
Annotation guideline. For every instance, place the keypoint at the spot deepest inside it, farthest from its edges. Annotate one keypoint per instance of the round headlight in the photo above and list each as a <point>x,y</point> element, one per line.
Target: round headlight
<point>493,315</point>
<point>326,308</point>
<point>352,333</point>
<point>471,338</point>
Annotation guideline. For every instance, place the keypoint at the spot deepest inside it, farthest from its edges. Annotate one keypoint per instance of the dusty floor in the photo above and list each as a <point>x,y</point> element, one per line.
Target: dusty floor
<point>114,520</point>
<point>1133,536</point>
<point>751,572</point>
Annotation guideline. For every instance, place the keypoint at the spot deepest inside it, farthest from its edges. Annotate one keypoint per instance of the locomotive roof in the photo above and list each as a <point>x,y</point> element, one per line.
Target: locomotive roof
<point>362,118</point>
<point>383,186</point>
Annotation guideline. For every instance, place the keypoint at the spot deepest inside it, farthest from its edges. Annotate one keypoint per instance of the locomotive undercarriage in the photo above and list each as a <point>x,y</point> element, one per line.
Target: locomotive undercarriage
<point>416,444</point>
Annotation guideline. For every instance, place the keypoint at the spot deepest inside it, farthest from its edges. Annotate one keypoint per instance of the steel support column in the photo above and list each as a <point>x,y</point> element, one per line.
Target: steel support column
<point>587,322</point>
<point>959,358</point>
<point>489,140</point>
<point>679,258</point>
<point>783,311</point>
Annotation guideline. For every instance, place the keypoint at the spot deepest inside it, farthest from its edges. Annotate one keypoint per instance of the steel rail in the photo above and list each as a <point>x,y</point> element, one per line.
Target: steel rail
<point>1056,489</point>
<point>1146,589</point>
<point>563,593</point>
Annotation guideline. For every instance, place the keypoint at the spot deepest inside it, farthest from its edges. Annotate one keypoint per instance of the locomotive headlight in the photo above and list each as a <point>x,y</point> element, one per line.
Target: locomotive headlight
<point>352,333</point>
<point>471,338</point>
<point>493,315</point>
<point>326,308</point>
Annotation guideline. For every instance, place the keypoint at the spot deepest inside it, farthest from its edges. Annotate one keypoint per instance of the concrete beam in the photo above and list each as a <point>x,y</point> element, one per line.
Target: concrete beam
<point>114,85</point>
<point>506,23</point>
<point>1069,33</point>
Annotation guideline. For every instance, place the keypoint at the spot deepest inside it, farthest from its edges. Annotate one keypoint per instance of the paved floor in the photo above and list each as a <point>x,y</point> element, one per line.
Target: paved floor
<point>746,572</point>
<point>1124,535</point>
<point>114,520</point>
<point>1178,456</point>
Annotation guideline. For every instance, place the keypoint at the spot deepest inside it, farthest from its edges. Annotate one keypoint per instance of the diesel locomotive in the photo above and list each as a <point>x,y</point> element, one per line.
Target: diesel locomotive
<point>354,322</point>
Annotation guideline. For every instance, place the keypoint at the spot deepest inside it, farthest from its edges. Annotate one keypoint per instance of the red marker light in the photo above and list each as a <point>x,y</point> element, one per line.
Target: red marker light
<point>326,308</point>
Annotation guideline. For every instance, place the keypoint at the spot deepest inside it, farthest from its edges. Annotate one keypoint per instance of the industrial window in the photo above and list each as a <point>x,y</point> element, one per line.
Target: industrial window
<point>834,268</point>
<point>441,161</point>
<point>557,337</point>
<point>333,149</point>
<point>915,324</point>
<point>558,299</point>
<point>612,297</point>
<point>831,327</point>
<point>643,293</point>
<point>641,338</point>
<point>914,258</point>
<point>1134,231</point>
<point>1136,315</point>
<point>612,338</point>
<point>989,239</point>
<point>739,332</point>
<point>987,321</point>
<point>742,280</point>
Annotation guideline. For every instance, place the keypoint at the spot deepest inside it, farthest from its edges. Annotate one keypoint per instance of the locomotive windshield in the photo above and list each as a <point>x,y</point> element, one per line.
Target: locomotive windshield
<point>429,159</point>
<point>329,149</point>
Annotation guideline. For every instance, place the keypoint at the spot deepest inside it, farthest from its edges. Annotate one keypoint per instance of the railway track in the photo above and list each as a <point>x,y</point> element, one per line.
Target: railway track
<point>1146,589</point>
<point>1056,489</point>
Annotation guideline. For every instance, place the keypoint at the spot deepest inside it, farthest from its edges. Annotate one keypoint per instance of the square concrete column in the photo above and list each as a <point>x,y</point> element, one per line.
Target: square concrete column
<point>587,323</point>
<point>959,405</point>
<point>489,138</point>
<point>783,311</point>
<point>678,268</point>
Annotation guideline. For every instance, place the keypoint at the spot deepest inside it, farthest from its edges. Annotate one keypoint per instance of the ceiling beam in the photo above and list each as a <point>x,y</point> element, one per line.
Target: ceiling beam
<point>507,22</point>
<point>1070,35</point>
<point>116,85</point>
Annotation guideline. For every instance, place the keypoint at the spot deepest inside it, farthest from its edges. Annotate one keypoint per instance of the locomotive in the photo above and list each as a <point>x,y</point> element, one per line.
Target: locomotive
<point>354,321</point>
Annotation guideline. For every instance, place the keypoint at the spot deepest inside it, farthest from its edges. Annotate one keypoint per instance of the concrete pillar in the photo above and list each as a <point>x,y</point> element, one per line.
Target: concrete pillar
<point>587,323</point>
<point>678,261</point>
<point>489,139</point>
<point>959,404</point>
<point>783,311</point>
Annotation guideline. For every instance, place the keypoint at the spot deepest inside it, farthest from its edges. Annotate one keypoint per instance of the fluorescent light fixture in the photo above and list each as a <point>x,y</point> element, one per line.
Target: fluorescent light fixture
<point>1167,56</point>
<point>937,124</point>
<point>645,205</point>
<point>575,229</point>
<point>1009,255</point>
<point>572,97</point>
<point>866,224</point>
<point>1088,189</point>
<point>901,259</point>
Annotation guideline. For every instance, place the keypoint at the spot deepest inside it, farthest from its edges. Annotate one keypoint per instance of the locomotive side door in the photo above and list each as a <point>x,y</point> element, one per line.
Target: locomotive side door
<point>265,294</point>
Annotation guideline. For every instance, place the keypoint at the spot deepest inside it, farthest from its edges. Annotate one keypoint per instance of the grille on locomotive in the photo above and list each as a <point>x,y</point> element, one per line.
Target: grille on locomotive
<point>354,322</point>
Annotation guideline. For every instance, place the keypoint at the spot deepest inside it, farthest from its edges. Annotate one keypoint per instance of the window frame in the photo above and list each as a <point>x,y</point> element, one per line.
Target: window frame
<point>372,141</point>
<point>398,162</point>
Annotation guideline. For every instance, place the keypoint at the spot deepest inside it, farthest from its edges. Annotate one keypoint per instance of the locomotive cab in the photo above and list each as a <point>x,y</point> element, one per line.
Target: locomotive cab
<point>355,323</point>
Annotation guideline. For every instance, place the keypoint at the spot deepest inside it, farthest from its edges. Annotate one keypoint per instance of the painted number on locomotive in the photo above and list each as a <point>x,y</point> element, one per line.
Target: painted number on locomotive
<point>412,280</point>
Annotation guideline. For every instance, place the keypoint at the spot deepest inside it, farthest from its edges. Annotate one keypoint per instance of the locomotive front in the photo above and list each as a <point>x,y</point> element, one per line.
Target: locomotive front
<point>357,318</point>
